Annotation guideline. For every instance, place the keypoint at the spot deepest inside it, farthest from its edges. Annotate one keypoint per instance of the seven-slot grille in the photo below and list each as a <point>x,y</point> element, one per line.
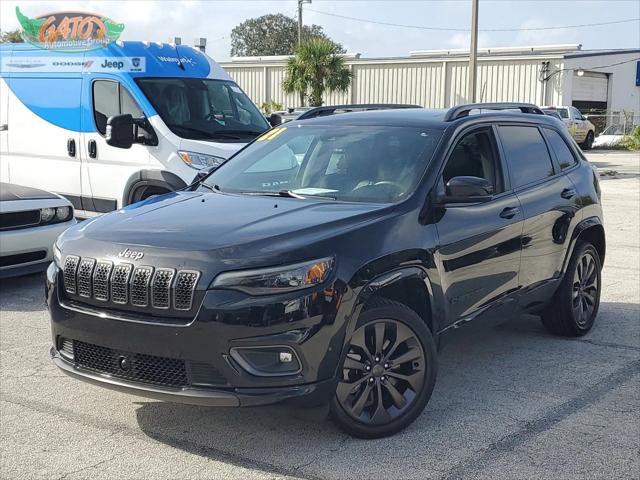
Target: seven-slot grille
<point>124,284</point>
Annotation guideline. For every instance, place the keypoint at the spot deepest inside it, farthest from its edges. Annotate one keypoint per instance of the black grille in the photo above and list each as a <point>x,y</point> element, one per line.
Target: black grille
<point>120,283</point>
<point>85,272</point>
<point>101,280</point>
<point>140,286</point>
<point>161,287</point>
<point>185,286</point>
<point>205,374</point>
<point>123,284</point>
<point>137,367</point>
<point>70,267</point>
<point>11,220</point>
<point>19,258</point>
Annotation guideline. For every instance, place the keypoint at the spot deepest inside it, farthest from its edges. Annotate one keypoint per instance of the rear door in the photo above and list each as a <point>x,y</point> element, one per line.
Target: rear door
<point>478,257</point>
<point>548,200</point>
<point>108,168</point>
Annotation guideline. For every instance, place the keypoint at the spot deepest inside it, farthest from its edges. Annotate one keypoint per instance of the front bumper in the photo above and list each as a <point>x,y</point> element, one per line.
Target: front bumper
<point>18,244</point>
<point>225,320</point>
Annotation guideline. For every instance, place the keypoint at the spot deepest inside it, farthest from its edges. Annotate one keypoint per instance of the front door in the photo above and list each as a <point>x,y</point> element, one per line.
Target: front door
<point>479,243</point>
<point>108,168</point>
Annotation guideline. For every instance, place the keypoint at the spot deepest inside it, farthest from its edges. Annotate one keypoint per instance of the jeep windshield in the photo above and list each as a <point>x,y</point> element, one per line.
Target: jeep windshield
<point>379,164</point>
<point>204,109</point>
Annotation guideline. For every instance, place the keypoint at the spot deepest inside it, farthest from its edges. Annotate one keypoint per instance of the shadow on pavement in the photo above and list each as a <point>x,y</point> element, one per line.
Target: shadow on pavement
<point>23,294</point>
<point>490,380</point>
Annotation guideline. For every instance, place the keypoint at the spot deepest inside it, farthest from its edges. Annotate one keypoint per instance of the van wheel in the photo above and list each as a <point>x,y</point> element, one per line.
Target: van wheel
<point>588,141</point>
<point>575,305</point>
<point>146,192</point>
<point>388,374</point>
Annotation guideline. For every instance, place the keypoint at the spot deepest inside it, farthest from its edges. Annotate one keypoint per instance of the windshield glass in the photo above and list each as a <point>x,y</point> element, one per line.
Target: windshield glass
<point>204,109</point>
<point>613,130</point>
<point>351,163</point>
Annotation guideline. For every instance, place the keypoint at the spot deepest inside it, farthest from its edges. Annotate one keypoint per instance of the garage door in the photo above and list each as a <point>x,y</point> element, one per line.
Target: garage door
<point>591,87</point>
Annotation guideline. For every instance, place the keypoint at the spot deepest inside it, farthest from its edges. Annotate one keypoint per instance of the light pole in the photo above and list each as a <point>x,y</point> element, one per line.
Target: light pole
<point>473,51</point>
<point>300,3</point>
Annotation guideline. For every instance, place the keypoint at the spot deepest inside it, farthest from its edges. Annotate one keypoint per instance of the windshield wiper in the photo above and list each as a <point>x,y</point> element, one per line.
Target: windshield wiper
<point>287,194</point>
<point>208,135</point>
<point>244,132</point>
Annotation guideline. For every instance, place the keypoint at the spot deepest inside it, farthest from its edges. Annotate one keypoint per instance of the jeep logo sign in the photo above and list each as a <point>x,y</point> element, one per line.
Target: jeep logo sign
<point>133,255</point>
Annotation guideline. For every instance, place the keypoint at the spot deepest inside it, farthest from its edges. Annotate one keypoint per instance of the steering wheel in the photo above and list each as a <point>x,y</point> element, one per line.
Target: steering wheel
<point>384,183</point>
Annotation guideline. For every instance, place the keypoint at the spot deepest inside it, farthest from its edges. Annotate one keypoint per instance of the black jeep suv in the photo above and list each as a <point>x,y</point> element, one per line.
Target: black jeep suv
<point>324,262</point>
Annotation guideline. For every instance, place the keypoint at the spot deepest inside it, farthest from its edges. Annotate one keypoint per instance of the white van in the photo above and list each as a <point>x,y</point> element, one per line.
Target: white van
<point>54,106</point>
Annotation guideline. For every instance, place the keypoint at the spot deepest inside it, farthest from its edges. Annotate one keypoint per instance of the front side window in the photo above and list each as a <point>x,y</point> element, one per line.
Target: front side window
<point>575,113</point>
<point>379,164</point>
<point>475,156</point>
<point>526,153</point>
<point>561,149</point>
<point>109,99</point>
<point>204,109</point>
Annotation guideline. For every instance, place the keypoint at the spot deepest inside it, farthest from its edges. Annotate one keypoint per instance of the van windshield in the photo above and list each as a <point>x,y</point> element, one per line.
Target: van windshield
<point>380,164</point>
<point>204,109</point>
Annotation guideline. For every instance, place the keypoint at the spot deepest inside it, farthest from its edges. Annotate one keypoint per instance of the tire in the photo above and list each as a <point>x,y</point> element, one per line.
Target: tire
<point>575,304</point>
<point>588,141</point>
<point>372,400</point>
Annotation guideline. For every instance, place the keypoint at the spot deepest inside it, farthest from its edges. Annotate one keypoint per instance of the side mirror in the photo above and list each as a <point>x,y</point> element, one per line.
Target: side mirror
<point>468,189</point>
<point>120,131</point>
<point>204,173</point>
<point>274,119</point>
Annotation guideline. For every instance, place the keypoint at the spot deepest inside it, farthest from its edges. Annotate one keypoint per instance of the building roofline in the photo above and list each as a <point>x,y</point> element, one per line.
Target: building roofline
<point>599,53</point>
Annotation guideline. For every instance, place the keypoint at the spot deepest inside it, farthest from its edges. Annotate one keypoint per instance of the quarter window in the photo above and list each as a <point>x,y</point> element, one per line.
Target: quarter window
<point>561,149</point>
<point>109,99</point>
<point>526,153</point>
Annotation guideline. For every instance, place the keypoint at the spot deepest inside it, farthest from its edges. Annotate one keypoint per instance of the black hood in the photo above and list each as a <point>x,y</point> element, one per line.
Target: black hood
<point>222,226</point>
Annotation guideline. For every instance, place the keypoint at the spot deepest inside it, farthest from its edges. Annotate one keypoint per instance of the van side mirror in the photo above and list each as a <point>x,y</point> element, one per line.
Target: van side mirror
<point>274,119</point>
<point>468,189</point>
<point>120,132</point>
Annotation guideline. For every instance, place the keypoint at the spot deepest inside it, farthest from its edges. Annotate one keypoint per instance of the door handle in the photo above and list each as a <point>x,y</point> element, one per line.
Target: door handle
<point>509,212</point>
<point>568,193</point>
<point>71,147</point>
<point>93,148</point>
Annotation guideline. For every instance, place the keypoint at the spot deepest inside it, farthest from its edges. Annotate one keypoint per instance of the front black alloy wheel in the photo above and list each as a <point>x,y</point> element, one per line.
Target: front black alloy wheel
<point>388,373</point>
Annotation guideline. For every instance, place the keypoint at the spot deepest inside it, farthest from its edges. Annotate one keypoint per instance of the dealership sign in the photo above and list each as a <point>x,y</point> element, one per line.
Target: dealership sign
<point>69,31</point>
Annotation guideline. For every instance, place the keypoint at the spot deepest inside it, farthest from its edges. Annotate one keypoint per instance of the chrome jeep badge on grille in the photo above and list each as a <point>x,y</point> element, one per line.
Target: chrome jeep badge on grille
<point>133,255</point>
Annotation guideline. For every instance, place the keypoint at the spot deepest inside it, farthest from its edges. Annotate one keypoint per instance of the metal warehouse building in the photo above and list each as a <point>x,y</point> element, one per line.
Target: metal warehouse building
<point>605,80</point>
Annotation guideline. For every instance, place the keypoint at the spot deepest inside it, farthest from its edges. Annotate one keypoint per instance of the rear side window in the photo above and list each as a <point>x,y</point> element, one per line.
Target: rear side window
<point>526,153</point>
<point>109,99</point>
<point>561,149</point>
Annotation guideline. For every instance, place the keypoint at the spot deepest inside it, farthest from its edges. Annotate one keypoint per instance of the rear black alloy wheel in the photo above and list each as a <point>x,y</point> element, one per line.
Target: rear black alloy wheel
<point>585,288</point>
<point>574,306</point>
<point>388,373</point>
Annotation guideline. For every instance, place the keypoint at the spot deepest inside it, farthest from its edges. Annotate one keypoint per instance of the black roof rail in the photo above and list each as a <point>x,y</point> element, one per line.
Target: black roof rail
<point>460,111</point>
<point>327,110</point>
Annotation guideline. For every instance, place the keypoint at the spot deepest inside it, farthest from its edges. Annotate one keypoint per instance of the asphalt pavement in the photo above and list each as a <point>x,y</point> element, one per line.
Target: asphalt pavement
<point>510,402</point>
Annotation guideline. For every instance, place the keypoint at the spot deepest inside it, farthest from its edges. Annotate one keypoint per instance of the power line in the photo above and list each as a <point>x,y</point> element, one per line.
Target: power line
<point>445,29</point>
<point>612,64</point>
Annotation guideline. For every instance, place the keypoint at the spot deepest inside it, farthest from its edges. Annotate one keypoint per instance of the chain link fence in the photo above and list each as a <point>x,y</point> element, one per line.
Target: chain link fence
<point>623,122</point>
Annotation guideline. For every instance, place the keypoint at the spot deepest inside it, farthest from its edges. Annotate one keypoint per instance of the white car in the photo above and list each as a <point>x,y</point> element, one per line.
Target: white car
<point>581,129</point>
<point>611,136</point>
<point>30,222</point>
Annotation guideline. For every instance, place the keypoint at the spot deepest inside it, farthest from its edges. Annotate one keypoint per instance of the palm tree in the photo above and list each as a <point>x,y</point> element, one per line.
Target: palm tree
<point>316,67</point>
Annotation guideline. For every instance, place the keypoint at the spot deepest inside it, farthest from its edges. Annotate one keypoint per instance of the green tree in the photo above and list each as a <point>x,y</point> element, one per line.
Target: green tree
<point>271,35</point>
<point>11,36</point>
<point>315,68</point>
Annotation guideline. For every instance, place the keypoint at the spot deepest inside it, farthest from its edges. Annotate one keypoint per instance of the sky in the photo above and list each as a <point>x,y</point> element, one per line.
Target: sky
<point>161,20</point>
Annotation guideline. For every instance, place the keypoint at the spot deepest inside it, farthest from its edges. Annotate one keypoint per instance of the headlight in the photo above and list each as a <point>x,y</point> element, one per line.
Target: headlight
<point>47,214</point>
<point>278,279</point>
<point>200,160</point>
<point>55,215</point>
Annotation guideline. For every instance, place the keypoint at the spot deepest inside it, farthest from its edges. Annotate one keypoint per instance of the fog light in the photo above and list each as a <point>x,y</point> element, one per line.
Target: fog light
<point>269,361</point>
<point>286,357</point>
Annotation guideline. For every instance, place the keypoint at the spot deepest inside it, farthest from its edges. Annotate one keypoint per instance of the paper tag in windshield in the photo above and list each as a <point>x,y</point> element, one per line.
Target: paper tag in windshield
<point>271,134</point>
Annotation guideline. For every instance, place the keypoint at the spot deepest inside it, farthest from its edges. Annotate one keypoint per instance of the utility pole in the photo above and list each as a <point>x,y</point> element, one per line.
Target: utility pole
<point>300,3</point>
<point>473,52</point>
